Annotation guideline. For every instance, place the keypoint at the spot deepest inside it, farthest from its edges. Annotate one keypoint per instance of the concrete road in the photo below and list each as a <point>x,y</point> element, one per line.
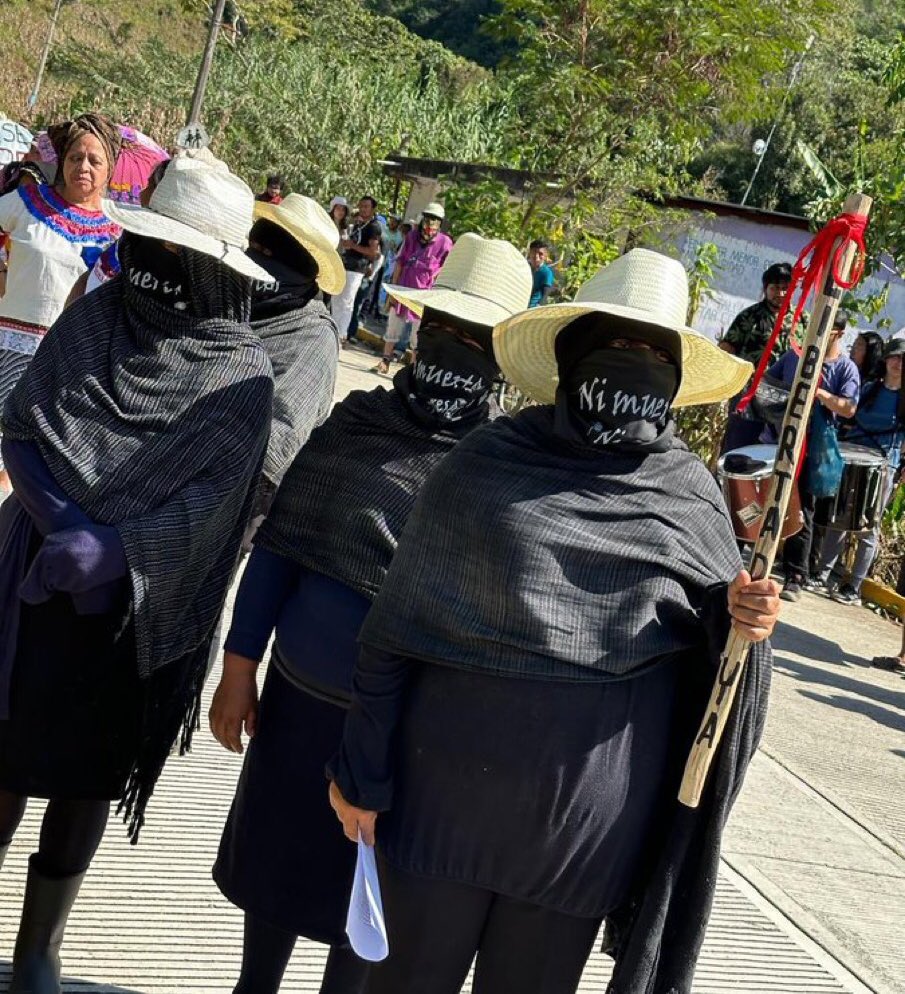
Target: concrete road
<point>811,897</point>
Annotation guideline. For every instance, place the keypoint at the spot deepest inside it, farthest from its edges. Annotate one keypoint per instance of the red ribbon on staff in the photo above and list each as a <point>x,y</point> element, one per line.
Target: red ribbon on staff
<point>808,275</point>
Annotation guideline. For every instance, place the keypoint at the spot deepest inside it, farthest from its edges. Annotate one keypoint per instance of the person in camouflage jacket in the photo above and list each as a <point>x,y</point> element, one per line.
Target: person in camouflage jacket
<point>747,338</point>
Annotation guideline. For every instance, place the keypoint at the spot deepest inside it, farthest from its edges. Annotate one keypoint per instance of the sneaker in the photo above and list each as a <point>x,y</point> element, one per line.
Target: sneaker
<point>813,584</point>
<point>791,591</point>
<point>846,594</point>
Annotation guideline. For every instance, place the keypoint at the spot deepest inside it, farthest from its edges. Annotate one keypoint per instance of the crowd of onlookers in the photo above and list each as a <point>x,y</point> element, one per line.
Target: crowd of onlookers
<point>858,407</point>
<point>386,249</point>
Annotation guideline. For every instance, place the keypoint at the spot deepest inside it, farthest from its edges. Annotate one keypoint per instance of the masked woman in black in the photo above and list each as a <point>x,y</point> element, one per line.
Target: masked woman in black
<point>133,440</point>
<point>539,658</point>
<point>318,562</point>
<point>295,242</point>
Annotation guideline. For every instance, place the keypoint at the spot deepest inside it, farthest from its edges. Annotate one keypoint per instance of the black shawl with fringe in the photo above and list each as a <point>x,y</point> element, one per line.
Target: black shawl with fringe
<point>155,421</point>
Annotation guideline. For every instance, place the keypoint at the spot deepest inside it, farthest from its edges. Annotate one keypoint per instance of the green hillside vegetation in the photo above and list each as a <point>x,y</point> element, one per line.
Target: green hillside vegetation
<point>457,25</point>
<point>612,98</point>
<point>313,97</point>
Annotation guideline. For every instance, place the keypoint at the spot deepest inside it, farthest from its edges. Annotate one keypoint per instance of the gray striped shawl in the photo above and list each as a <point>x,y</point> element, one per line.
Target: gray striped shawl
<point>303,347</point>
<point>526,557</point>
<point>155,423</point>
<point>344,501</point>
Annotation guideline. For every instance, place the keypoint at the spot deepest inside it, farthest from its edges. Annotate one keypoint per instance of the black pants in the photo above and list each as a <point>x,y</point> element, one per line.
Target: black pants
<point>356,308</point>
<point>801,552</point>
<point>435,928</point>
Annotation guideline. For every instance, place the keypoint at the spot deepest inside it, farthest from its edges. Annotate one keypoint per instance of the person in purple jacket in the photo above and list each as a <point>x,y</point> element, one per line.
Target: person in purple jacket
<point>417,267</point>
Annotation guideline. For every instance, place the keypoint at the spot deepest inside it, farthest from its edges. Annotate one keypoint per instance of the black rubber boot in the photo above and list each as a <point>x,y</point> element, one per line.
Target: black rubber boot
<point>36,960</point>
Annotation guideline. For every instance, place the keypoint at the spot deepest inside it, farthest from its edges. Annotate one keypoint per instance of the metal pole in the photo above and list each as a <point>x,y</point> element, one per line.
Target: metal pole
<point>793,79</point>
<point>33,98</point>
<point>205,69</point>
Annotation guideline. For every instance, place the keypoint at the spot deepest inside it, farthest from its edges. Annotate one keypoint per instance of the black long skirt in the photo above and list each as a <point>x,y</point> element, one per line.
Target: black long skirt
<point>547,792</point>
<point>75,704</point>
<point>283,856</point>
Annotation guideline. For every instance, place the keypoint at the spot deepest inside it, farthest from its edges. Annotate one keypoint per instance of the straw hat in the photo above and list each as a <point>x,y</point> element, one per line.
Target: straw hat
<point>310,225</point>
<point>200,204</point>
<point>643,287</point>
<point>483,280</point>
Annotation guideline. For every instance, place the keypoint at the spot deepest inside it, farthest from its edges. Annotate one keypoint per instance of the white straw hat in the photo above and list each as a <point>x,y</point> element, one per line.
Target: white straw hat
<point>200,204</point>
<point>310,225</point>
<point>641,286</point>
<point>435,209</point>
<point>483,280</point>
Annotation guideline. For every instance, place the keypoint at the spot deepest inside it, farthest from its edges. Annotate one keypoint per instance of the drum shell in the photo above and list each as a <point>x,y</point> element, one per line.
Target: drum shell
<point>858,504</point>
<point>746,498</point>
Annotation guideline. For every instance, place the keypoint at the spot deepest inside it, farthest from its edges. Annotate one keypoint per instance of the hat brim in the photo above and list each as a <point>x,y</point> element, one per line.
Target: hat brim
<point>331,274</point>
<point>524,346</point>
<point>466,306</point>
<point>143,221</point>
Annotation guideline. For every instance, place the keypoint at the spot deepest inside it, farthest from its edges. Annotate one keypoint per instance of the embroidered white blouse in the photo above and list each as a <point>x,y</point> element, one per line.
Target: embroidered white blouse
<point>52,242</point>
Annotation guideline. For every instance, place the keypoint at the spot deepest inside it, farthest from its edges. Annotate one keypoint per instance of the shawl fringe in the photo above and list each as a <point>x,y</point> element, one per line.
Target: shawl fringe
<point>171,716</point>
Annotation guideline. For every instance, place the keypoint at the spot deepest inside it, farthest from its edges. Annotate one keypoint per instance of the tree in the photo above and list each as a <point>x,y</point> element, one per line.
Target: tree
<point>613,98</point>
<point>458,26</point>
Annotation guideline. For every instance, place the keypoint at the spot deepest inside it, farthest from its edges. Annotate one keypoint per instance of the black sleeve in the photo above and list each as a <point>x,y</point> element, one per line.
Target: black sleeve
<point>362,769</point>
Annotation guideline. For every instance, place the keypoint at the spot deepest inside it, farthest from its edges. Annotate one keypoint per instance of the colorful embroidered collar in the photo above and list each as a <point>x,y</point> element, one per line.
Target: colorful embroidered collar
<point>75,224</point>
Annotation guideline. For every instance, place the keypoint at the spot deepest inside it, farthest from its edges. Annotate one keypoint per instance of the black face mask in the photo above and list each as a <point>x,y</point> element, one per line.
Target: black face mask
<point>616,397</point>
<point>450,380</point>
<point>154,271</point>
<point>289,290</point>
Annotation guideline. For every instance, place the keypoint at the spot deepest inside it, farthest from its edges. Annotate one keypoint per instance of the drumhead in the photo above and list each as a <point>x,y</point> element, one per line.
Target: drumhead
<point>760,453</point>
<point>861,455</point>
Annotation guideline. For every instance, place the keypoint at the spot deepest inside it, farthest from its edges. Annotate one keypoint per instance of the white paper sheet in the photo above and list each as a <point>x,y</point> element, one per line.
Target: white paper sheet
<point>365,925</point>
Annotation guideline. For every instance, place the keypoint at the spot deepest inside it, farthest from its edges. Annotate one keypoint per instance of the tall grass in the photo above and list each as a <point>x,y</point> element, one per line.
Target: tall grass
<point>321,117</point>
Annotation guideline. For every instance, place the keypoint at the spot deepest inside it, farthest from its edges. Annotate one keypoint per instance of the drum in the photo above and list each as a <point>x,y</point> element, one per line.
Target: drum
<point>744,475</point>
<point>858,504</point>
<point>770,402</point>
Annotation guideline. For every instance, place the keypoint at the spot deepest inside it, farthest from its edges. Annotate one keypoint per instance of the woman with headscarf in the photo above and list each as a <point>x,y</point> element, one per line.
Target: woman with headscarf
<point>133,440</point>
<point>538,660</point>
<point>318,562</point>
<point>55,234</point>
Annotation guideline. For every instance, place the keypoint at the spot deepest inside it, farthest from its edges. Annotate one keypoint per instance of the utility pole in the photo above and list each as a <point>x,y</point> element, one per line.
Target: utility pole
<point>207,60</point>
<point>761,147</point>
<point>42,65</point>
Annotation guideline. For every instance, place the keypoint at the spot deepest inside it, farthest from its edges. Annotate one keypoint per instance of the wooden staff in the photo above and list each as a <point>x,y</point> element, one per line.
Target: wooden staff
<point>791,440</point>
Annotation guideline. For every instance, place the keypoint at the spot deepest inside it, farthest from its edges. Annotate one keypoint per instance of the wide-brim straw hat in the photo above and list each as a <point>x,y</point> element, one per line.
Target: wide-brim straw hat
<point>310,225</point>
<point>200,204</point>
<point>484,280</point>
<point>643,287</point>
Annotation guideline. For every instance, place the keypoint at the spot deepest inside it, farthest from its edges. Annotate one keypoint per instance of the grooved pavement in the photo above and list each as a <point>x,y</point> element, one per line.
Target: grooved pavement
<point>150,921</point>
